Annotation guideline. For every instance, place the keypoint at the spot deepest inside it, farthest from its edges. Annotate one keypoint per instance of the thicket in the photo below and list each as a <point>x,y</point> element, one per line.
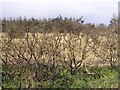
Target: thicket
<point>45,51</point>
<point>16,27</point>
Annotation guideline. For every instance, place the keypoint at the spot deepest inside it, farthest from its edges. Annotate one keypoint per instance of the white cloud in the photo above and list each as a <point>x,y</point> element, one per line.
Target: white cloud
<point>93,10</point>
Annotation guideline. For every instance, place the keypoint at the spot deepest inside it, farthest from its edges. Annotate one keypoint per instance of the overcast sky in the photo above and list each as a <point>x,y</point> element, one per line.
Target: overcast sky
<point>94,11</point>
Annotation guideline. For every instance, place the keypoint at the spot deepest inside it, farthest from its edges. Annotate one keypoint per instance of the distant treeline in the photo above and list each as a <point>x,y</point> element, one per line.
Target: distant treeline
<point>59,24</point>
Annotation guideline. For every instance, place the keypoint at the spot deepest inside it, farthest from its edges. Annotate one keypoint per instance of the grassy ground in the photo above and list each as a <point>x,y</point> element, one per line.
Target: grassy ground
<point>108,78</point>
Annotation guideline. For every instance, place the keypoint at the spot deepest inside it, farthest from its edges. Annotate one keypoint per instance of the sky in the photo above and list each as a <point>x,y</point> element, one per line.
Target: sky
<point>93,11</point>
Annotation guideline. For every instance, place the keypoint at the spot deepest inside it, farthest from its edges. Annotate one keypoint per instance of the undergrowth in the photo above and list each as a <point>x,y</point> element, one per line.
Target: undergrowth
<point>104,77</point>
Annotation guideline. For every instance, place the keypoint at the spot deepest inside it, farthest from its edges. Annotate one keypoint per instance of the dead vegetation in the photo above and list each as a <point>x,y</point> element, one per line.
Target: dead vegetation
<point>78,45</point>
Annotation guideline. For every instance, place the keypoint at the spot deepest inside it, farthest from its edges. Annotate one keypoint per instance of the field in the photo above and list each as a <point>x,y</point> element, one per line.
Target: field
<point>67,44</point>
<point>83,58</point>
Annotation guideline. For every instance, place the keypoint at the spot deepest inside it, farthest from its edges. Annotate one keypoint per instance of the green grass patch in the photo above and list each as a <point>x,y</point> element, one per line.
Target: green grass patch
<point>104,77</point>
